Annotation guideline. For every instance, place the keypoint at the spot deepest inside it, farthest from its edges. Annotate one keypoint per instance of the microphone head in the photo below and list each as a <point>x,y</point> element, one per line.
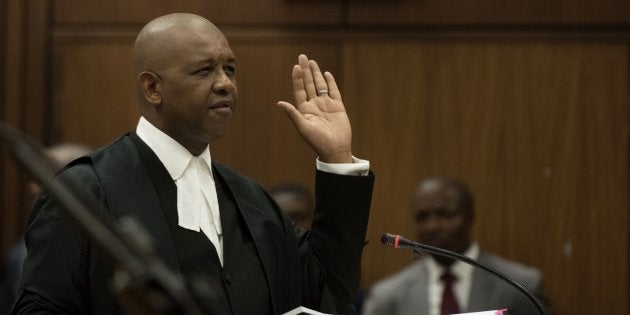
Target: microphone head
<point>386,239</point>
<point>395,241</point>
<point>390,240</point>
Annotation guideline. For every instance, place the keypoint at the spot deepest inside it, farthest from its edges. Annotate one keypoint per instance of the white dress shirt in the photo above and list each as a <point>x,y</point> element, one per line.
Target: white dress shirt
<point>461,270</point>
<point>197,203</point>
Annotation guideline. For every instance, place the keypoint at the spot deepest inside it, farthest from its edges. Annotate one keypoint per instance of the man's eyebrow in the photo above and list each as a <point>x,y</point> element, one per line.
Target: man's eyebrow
<point>212,60</point>
<point>204,61</point>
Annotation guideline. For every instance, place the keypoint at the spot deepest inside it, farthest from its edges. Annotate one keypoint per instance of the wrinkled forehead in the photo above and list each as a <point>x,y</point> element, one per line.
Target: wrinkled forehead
<point>184,39</point>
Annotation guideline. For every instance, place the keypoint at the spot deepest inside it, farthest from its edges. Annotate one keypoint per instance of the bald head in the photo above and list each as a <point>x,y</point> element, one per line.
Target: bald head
<point>161,40</point>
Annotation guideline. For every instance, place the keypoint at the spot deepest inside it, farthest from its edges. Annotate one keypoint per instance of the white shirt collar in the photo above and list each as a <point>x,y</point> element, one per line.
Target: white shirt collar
<point>172,154</point>
<point>464,270</point>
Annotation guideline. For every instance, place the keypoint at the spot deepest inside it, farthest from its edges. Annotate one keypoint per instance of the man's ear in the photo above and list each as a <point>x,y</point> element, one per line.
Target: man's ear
<point>150,84</point>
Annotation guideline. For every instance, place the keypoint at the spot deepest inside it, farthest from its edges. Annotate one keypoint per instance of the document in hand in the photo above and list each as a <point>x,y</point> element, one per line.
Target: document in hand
<point>304,310</point>
<point>495,312</point>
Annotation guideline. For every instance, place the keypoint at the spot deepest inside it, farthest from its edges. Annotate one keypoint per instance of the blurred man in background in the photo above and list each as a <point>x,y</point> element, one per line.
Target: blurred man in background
<point>296,200</point>
<point>443,210</point>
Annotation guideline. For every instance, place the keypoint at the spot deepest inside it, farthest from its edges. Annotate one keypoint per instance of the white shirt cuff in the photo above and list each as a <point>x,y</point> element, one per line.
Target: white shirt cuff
<point>357,167</point>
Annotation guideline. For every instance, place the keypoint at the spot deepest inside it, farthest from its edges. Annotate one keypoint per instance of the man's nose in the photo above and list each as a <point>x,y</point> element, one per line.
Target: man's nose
<point>432,224</point>
<point>223,84</point>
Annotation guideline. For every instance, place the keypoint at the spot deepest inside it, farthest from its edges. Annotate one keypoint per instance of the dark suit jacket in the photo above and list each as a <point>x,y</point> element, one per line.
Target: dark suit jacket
<point>65,272</point>
<point>406,291</point>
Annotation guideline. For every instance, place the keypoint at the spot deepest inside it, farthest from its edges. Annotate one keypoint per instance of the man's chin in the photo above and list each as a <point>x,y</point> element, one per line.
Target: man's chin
<point>442,260</point>
<point>217,133</point>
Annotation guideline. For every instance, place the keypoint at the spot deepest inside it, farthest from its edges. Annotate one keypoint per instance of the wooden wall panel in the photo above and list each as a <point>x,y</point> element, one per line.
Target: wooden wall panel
<point>539,130</point>
<point>242,12</point>
<point>24,99</point>
<point>490,12</point>
<point>94,99</point>
<point>12,113</point>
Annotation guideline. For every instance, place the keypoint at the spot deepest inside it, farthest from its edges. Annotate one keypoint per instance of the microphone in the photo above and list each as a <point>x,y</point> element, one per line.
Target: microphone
<point>397,241</point>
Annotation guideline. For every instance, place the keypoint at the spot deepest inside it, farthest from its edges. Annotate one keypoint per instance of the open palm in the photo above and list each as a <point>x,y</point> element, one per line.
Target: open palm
<point>319,114</point>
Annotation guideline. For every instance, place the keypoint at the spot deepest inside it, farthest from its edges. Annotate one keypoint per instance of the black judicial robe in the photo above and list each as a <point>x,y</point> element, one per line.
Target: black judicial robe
<point>65,273</point>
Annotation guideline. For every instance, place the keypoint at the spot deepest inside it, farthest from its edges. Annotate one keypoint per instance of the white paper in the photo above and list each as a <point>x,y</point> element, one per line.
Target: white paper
<point>495,312</point>
<point>304,310</point>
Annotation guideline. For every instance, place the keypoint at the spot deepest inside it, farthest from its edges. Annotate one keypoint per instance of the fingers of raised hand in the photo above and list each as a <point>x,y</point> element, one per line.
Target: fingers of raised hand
<point>307,76</point>
<point>299,91</point>
<point>333,90</point>
<point>321,87</point>
<point>314,81</point>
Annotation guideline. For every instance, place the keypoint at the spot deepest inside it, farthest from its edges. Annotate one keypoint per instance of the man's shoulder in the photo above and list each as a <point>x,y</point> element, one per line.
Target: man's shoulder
<point>402,279</point>
<point>228,171</point>
<point>234,177</point>
<point>522,273</point>
<point>110,159</point>
<point>243,187</point>
<point>122,144</point>
<point>116,148</point>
